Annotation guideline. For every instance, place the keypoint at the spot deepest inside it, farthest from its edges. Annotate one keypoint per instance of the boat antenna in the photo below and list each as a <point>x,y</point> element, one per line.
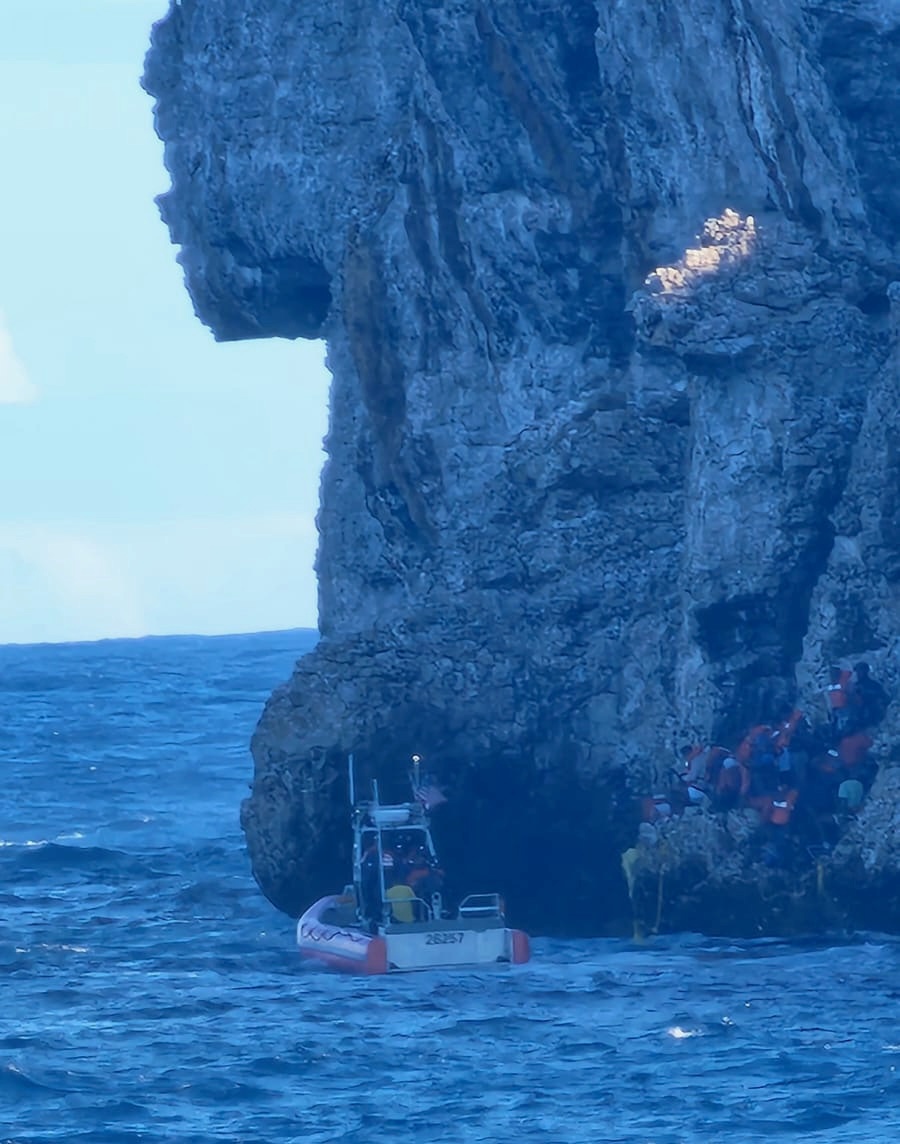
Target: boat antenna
<point>416,760</point>
<point>352,782</point>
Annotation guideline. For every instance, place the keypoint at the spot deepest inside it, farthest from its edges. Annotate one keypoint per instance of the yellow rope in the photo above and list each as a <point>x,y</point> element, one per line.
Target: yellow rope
<point>629,861</point>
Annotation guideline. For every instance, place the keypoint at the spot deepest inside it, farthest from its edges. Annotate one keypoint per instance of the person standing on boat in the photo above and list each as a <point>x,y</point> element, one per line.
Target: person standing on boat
<point>370,878</point>
<point>423,877</point>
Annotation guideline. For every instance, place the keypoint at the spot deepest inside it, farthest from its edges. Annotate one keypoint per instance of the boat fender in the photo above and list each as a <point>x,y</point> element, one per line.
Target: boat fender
<point>521,950</point>
<point>376,956</point>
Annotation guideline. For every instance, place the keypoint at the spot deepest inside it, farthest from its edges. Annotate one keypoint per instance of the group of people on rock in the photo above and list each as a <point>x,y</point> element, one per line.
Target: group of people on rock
<point>788,765</point>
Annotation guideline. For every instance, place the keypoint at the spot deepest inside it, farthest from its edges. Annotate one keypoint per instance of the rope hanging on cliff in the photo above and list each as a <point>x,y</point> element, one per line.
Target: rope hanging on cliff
<point>629,863</point>
<point>659,899</point>
<point>664,855</point>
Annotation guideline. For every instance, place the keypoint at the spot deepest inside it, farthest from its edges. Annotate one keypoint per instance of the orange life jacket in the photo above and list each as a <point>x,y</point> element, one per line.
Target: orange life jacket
<point>827,763</point>
<point>715,756</point>
<point>785,731</point>
<point>852,749</point>
<point>647,809</point>
<point>762,803</point>
<point>690,771</point>
<point>730,780</point>
<point>783,807</point>
<point>655,807</point>
<point>745,750</point>
<point>837,692</point>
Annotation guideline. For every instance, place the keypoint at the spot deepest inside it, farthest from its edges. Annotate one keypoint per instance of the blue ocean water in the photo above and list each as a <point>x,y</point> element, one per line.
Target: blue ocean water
<point>149,993</point>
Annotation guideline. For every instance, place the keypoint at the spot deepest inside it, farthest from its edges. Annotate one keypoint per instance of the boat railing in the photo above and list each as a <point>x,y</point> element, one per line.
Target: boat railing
<point>411,909</point>
<point>481,906</point>
<point>381,816</point>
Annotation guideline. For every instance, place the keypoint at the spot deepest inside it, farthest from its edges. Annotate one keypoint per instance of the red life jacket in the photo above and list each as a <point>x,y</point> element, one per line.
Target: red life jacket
<point>852,749</point>
<point>762,803</point>
<point>690,771</point>
<point>783,807</point>
<point>715,756</point>
<point>755,745</point>
<point>655,807</point>
<point>785,731</point>
<point>745,751</point>
<point>837,692</point>
<point>828,763</point>
<point>730,780</point>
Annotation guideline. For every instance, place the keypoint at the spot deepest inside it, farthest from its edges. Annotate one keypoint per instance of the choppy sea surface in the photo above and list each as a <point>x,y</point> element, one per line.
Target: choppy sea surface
<point>149,993</point>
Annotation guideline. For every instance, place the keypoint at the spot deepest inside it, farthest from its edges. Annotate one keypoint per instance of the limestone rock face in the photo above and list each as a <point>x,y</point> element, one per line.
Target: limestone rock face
<point>614,446</point>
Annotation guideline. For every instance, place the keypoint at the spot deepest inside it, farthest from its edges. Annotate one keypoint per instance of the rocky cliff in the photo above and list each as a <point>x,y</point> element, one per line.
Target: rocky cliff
<point>614,440</point>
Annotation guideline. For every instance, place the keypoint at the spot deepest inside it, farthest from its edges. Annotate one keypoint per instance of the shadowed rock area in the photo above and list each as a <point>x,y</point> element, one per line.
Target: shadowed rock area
<point>614,446</point>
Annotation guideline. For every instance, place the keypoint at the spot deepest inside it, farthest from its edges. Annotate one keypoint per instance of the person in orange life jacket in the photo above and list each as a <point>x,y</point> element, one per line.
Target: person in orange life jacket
<point>807,743</point>
<point>783,731</point>
<point>423,877</point>
<point>694,763</point>
<point>390,867</point>
<point>868,700</point>
<point>704,764</point>
<point>823,779</point>
<point>757,753</point>
<point>837,695</point>
<point>853,753</point>
<point>732,783</point>
<point>746,746</point>
<point>762,804</point>
<point>757,749</point>
<point>370,887</point>
<point>775,812</point>
<point>783,806</point>
<point>853,749</point>
<point>703,775</point>
<point>782,734</point>
<point>696,779</point>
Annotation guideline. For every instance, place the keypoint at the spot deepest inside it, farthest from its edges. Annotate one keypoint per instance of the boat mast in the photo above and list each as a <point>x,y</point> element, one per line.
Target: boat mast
<point>357,835</point>
<point>416,760</point>
<point>378,843</point>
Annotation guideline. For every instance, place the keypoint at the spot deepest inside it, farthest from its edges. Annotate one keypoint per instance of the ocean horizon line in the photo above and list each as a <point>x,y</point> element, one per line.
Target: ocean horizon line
<point>156,636</point>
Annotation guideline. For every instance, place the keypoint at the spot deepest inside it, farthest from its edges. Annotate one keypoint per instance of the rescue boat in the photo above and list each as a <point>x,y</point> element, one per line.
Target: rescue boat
<point>383,924</point>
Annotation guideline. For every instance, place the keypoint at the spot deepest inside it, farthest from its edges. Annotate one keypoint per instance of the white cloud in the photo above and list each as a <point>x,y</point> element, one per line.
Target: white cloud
<point>15,386</point>
<point>57,584</point>
<point>224,574</point>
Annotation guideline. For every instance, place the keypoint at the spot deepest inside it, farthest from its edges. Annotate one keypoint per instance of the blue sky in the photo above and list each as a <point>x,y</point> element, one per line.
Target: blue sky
<point>153,481</point>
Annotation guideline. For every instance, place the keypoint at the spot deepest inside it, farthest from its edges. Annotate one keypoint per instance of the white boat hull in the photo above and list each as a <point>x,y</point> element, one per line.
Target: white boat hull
<point>460,943</point>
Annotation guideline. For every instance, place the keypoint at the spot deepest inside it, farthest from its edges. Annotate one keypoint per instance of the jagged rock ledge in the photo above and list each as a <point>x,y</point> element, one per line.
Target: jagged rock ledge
<point>614,453</point>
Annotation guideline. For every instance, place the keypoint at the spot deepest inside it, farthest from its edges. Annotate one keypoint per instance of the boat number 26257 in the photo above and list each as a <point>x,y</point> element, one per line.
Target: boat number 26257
<point>447,938</point>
